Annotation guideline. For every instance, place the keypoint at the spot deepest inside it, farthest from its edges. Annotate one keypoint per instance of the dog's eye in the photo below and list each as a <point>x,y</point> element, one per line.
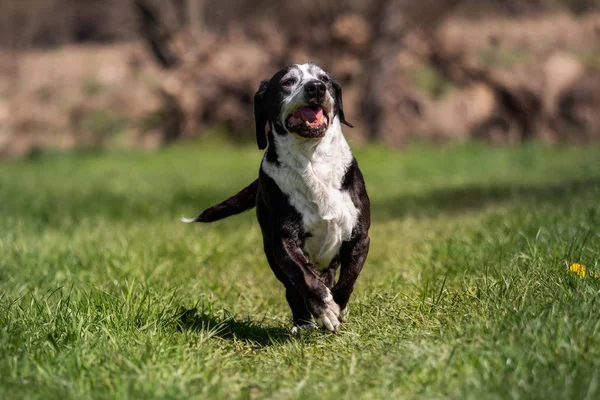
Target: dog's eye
<point>324,78</point>
<point>289,82</point>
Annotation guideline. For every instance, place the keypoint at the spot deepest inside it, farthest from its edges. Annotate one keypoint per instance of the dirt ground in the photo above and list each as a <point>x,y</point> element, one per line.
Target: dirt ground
<point>115,95</point>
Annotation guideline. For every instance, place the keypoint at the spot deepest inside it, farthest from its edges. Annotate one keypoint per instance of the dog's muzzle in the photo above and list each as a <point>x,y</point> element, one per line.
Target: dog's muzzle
<point>314,91</point>
<point>310,120</point>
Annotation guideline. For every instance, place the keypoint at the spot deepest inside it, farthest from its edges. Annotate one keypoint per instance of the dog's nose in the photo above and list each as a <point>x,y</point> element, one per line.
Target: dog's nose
<point>315,88</point>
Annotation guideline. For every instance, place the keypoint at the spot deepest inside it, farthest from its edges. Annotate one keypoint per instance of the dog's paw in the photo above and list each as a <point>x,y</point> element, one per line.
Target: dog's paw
<point>297,329</point>
<point>344,314</point>
<point>328,321</point>
<point>329,318</point>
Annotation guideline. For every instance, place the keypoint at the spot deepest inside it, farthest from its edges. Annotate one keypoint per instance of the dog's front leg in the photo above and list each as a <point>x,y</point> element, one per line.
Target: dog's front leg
<point>319,300</point>
<point>353,255</point>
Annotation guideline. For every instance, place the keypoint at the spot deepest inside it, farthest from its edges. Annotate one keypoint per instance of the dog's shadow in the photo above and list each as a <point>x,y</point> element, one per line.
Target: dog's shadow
<point>228,327</point>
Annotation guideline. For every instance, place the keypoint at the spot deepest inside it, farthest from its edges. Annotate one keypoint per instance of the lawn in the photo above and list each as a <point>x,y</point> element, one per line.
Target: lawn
<point>466,292</point>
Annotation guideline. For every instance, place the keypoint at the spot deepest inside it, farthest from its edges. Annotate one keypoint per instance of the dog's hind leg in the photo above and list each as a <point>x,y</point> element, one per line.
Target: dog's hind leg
<point>328,275</point>
<point>300,314</point>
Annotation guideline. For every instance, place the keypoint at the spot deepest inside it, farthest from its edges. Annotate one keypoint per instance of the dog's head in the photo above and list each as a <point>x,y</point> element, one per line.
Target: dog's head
<point>300,99</point>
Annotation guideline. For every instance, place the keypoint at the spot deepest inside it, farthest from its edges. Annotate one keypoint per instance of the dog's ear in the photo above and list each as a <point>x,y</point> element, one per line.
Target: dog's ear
<point>338,100</point>
<point>260,115</point>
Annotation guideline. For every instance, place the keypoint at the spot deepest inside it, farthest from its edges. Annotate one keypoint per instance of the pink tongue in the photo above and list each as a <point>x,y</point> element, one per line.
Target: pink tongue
<point>307,114</point>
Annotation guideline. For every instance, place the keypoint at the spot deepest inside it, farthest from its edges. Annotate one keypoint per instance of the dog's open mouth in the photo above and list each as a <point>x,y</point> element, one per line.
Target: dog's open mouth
<point>309,122</point>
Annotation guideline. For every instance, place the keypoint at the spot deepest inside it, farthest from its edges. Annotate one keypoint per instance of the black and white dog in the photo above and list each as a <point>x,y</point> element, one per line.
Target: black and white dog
<point>310,197</point>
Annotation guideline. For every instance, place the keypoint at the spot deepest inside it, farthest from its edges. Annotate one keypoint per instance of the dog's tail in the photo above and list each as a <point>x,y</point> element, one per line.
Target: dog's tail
<point>243,201</point>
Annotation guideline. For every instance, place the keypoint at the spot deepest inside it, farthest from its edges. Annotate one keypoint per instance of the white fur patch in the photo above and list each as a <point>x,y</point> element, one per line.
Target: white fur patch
<point>311,173</point>
<point>330,318</point>
<point>344,314</point>
<point>296,329</point>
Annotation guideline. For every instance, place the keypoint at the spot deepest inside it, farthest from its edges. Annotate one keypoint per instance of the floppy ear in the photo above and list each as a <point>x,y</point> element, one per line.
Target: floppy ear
<point>338,100</point>
<point>260,116</point>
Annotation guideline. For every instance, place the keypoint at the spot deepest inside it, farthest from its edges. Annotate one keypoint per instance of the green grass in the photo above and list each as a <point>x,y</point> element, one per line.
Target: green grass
<point>466,294</point>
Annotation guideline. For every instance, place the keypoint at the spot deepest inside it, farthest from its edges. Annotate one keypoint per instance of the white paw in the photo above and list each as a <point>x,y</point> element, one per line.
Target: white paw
<point>344,314</point>
<point>329,319</point>
<point>299,328</point>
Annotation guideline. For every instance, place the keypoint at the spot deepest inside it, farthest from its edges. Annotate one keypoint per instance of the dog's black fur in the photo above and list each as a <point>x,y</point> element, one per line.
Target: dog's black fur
<point>307,288</point>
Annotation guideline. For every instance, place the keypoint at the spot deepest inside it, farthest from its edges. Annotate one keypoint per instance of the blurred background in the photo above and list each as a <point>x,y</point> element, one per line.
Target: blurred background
<point>99,74</point>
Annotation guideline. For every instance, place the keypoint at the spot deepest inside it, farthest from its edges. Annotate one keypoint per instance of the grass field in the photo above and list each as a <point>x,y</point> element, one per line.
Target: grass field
<point>466,292</point>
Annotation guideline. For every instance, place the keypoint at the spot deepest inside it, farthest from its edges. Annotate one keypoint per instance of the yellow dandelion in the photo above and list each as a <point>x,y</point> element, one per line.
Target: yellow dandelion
<point>579,269</point>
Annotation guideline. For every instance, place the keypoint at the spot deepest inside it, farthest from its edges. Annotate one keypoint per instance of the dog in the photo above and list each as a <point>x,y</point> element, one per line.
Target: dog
<point>310,197</point>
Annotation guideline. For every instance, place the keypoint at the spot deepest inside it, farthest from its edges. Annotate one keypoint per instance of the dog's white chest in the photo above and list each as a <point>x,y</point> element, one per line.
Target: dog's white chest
<point>328,224</point>
<point>313,186</point>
